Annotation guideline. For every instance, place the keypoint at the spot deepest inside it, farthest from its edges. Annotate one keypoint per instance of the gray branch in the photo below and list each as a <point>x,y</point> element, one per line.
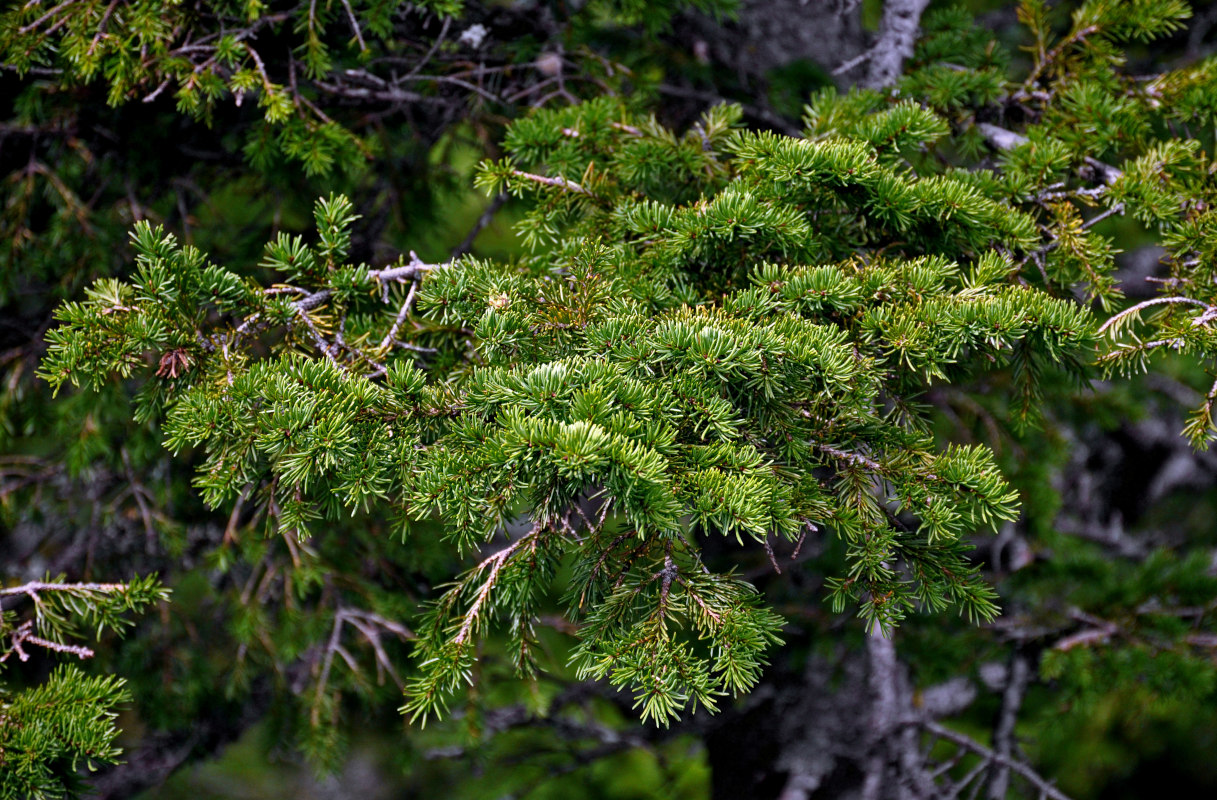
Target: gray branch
<point>897,35</point>
<point>1045,788</point>
<point>885,707</point>
<point>1003,733</point>
<point>1000,138</point>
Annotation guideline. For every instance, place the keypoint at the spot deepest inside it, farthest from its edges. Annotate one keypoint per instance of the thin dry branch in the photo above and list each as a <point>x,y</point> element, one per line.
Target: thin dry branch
<point>1045,788</point>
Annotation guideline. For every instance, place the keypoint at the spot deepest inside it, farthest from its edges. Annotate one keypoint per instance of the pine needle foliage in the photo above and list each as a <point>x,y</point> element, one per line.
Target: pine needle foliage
<point>66,723</point>
<point>203,56</point>
<point>1082,139</point>
<point>288,59</point>
<point>718,340</point>
<point>719,333</point>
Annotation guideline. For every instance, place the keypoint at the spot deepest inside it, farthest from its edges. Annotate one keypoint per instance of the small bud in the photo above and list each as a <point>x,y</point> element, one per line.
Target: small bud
<point>173,363</point>
<point>549,64</point>
<point>474,35</point>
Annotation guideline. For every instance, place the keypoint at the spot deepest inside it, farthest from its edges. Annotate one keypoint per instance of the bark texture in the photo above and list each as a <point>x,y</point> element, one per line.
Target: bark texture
<point>897,35</point>
<point>769,34</point>
<point>846,726</point>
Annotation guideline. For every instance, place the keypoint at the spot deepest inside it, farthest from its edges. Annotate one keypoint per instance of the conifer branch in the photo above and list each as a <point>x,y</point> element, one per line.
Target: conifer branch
<point>1076,36</point>
<point>495,563</point>
<point>856,459</point>
<point>54,10</point>
<point>679,348</point>
<point>25,633</point>
<point>33,588</point>
<point>1004,139</point>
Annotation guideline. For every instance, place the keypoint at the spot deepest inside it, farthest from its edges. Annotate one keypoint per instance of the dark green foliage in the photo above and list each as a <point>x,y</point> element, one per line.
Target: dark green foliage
<point>667,375</point>
<point>285,57</point>
<point>50,731</point>
<point>719,344</point>
<point>66,723</point>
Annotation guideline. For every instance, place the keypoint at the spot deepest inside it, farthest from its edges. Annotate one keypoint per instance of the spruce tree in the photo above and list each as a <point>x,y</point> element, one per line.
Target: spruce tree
<point>720,346</point>
<point>685,356</point>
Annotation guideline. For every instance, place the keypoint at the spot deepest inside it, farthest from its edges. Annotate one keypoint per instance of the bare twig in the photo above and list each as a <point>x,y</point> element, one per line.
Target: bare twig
<point>493,208</point>
<point>1045,788</point>
<point>495,562</point>
<point>402,313</point>
<point>856,61</point>
<point>1157,301</point>
<point>34,25</point>
<point>368,624</point>
<point>32,588</point>
<point>1118,208</point>
<point>1003,732</point>
<point>560,182</point>
<point>363,46</point>
<point>1098,632</point>
<point>25,633</point>
<point>853,458</point>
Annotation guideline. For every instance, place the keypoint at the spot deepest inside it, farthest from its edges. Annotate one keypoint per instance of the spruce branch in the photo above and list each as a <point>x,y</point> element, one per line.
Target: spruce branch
<point>25,633</point>
<point>1004,139</point>
<point>495,563</point>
